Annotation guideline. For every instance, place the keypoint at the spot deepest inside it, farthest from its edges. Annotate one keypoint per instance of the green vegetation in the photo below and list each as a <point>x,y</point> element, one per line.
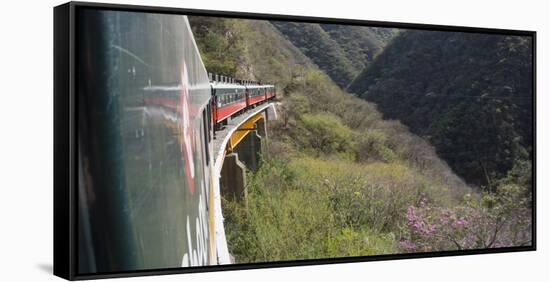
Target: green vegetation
<point>360,44</point>
<point>470,95</point>
<point>294,211</point>
<point>220,45</point>
<point>338,180</point>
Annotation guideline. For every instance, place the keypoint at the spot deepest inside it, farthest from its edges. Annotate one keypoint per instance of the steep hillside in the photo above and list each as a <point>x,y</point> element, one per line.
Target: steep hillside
<point>469,94</point>
<point>248,50</point>
<point>315,43</point>
<point>340,51</point>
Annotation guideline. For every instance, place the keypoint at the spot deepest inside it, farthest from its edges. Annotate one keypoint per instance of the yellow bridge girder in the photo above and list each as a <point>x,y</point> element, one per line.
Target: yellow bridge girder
<point>241,132</point>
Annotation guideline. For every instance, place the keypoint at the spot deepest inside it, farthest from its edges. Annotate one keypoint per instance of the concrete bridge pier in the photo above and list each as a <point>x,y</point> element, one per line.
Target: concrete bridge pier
<point>262,131</point>
<point>249,150</point>
<point>261,128</point>
<point>245,155</point>
<point>233,177</point>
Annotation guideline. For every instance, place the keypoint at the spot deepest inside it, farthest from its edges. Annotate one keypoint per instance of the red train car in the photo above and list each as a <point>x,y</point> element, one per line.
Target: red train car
<point>228,99</point>
<point>255,94</point>
<point>270,92</point>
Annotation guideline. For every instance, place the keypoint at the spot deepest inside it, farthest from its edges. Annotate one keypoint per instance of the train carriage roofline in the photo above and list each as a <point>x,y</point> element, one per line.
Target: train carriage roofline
<point>255,86</point>
<point>218,85</point>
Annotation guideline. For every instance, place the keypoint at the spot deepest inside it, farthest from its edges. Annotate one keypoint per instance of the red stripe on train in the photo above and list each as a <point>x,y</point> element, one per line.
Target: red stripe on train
<point>254,100</point>
<point>229,110</point>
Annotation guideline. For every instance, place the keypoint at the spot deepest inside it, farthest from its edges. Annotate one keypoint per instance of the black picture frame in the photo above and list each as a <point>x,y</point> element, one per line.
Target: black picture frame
<point>65,141</point>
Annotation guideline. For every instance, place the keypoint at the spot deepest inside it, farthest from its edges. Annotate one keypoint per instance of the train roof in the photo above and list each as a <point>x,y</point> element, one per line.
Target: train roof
<point>256,86</point>
<point>221,85</point>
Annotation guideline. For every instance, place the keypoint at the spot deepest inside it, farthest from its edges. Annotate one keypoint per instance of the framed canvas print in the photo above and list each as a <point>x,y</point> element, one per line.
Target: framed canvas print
<point>193,140</point>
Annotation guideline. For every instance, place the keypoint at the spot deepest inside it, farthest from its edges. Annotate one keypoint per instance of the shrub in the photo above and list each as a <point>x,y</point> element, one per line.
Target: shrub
<point>363,242</point>
<point>372,146</point>
<point>323,134</point>
<point>500,219</point>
